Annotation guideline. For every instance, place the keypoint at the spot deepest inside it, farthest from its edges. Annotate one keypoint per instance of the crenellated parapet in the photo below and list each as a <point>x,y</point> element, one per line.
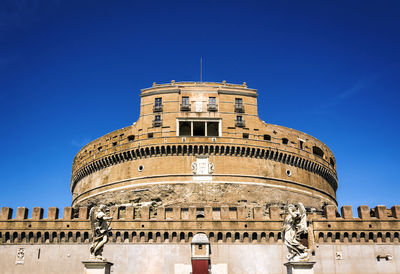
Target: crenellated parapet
<point>222,224</point>
<point>375,225</point>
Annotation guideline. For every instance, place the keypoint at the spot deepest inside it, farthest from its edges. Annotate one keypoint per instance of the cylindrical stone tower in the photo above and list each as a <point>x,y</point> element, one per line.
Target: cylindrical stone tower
<point>203,144</point>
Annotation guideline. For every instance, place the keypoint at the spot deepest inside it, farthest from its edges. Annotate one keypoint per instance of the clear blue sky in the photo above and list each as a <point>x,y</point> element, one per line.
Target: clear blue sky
<point>71,71</point>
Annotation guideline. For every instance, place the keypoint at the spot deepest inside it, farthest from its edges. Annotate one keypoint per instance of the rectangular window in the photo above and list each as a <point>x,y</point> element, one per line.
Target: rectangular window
<point>158,102</point>
<point>212,104</point>
<point>199,129</point>
<point>239,105</point>
<point>157,118</point>
<point>239,118</point>
<point>185,129</point>
<point>245,135</point>
<point>150,135</point>
<point>212,101</point>
<point>212,129</point>
<point>185,101</point>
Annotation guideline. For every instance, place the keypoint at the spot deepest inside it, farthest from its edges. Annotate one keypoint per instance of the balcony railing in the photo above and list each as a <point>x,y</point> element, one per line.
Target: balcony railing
<point>212,107</point>
<point>157,123</point>
<point>185,107</point>
<point>240,123</point>
<point>158,108</point>
<point>239,108</point>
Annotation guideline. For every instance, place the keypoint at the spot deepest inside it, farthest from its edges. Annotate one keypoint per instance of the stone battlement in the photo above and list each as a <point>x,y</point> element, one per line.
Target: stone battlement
<point>179,224</point>
<point>228,213</point>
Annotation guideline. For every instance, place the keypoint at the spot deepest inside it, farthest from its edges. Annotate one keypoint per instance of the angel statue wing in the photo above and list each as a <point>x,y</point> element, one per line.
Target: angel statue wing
<point>92,218</point>
<point>302,226</point>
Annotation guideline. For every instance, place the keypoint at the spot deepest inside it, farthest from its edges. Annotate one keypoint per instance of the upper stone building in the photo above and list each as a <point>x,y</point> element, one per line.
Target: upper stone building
<point>198,144</point>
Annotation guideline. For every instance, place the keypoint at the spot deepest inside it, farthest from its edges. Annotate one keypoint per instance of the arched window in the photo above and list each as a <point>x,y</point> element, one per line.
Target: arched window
<point>86,237</point>
<point>158,237</point>
<point>23,237</point>
<point>182,236</point>
<point>15,237</point>
<point>371,236</point>
<point>166,236</point>
<point>62,236</point>
<point>46,237</point>
<point>267,137</point>
<point>228,236</point>
<point>263,236</point>
<point>134,236</point>
<point>317,151</point>
<point>332,162</point>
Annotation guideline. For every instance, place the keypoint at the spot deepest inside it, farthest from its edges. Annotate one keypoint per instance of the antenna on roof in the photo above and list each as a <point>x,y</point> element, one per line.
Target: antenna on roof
<point>201,69</point>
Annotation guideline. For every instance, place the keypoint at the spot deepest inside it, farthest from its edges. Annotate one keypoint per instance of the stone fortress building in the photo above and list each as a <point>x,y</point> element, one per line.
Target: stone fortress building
<point>199,159</point>
<point>203,144</point>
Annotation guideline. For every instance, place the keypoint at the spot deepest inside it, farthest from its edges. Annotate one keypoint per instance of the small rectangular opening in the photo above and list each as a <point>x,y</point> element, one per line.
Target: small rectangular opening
<point>245,135</point>
<point>149,135</point>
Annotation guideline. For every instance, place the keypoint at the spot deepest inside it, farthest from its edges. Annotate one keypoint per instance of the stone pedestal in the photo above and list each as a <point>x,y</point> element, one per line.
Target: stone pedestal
<point>300,267</point>
<point>97,267</point>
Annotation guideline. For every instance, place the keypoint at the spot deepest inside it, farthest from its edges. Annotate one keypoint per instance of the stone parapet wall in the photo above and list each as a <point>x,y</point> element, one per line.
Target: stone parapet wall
<point>223,224</point>
<point>175,258</point>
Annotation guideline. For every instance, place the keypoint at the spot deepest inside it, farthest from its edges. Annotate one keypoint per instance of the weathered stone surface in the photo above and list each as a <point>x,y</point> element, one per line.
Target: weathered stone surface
<point>164,258</point>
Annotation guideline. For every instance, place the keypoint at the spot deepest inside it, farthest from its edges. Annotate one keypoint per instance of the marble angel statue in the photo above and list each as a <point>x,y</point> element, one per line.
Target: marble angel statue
<point>294,226</point>
<point>100,225</point>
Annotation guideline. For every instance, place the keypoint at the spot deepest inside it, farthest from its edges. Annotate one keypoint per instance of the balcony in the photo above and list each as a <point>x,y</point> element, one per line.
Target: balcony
<point>239,108</point>
<point>157,123</point>
<point>185,107</point>
<point>212,107</point>
<point>158,108</point>
<point>240,123</point>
